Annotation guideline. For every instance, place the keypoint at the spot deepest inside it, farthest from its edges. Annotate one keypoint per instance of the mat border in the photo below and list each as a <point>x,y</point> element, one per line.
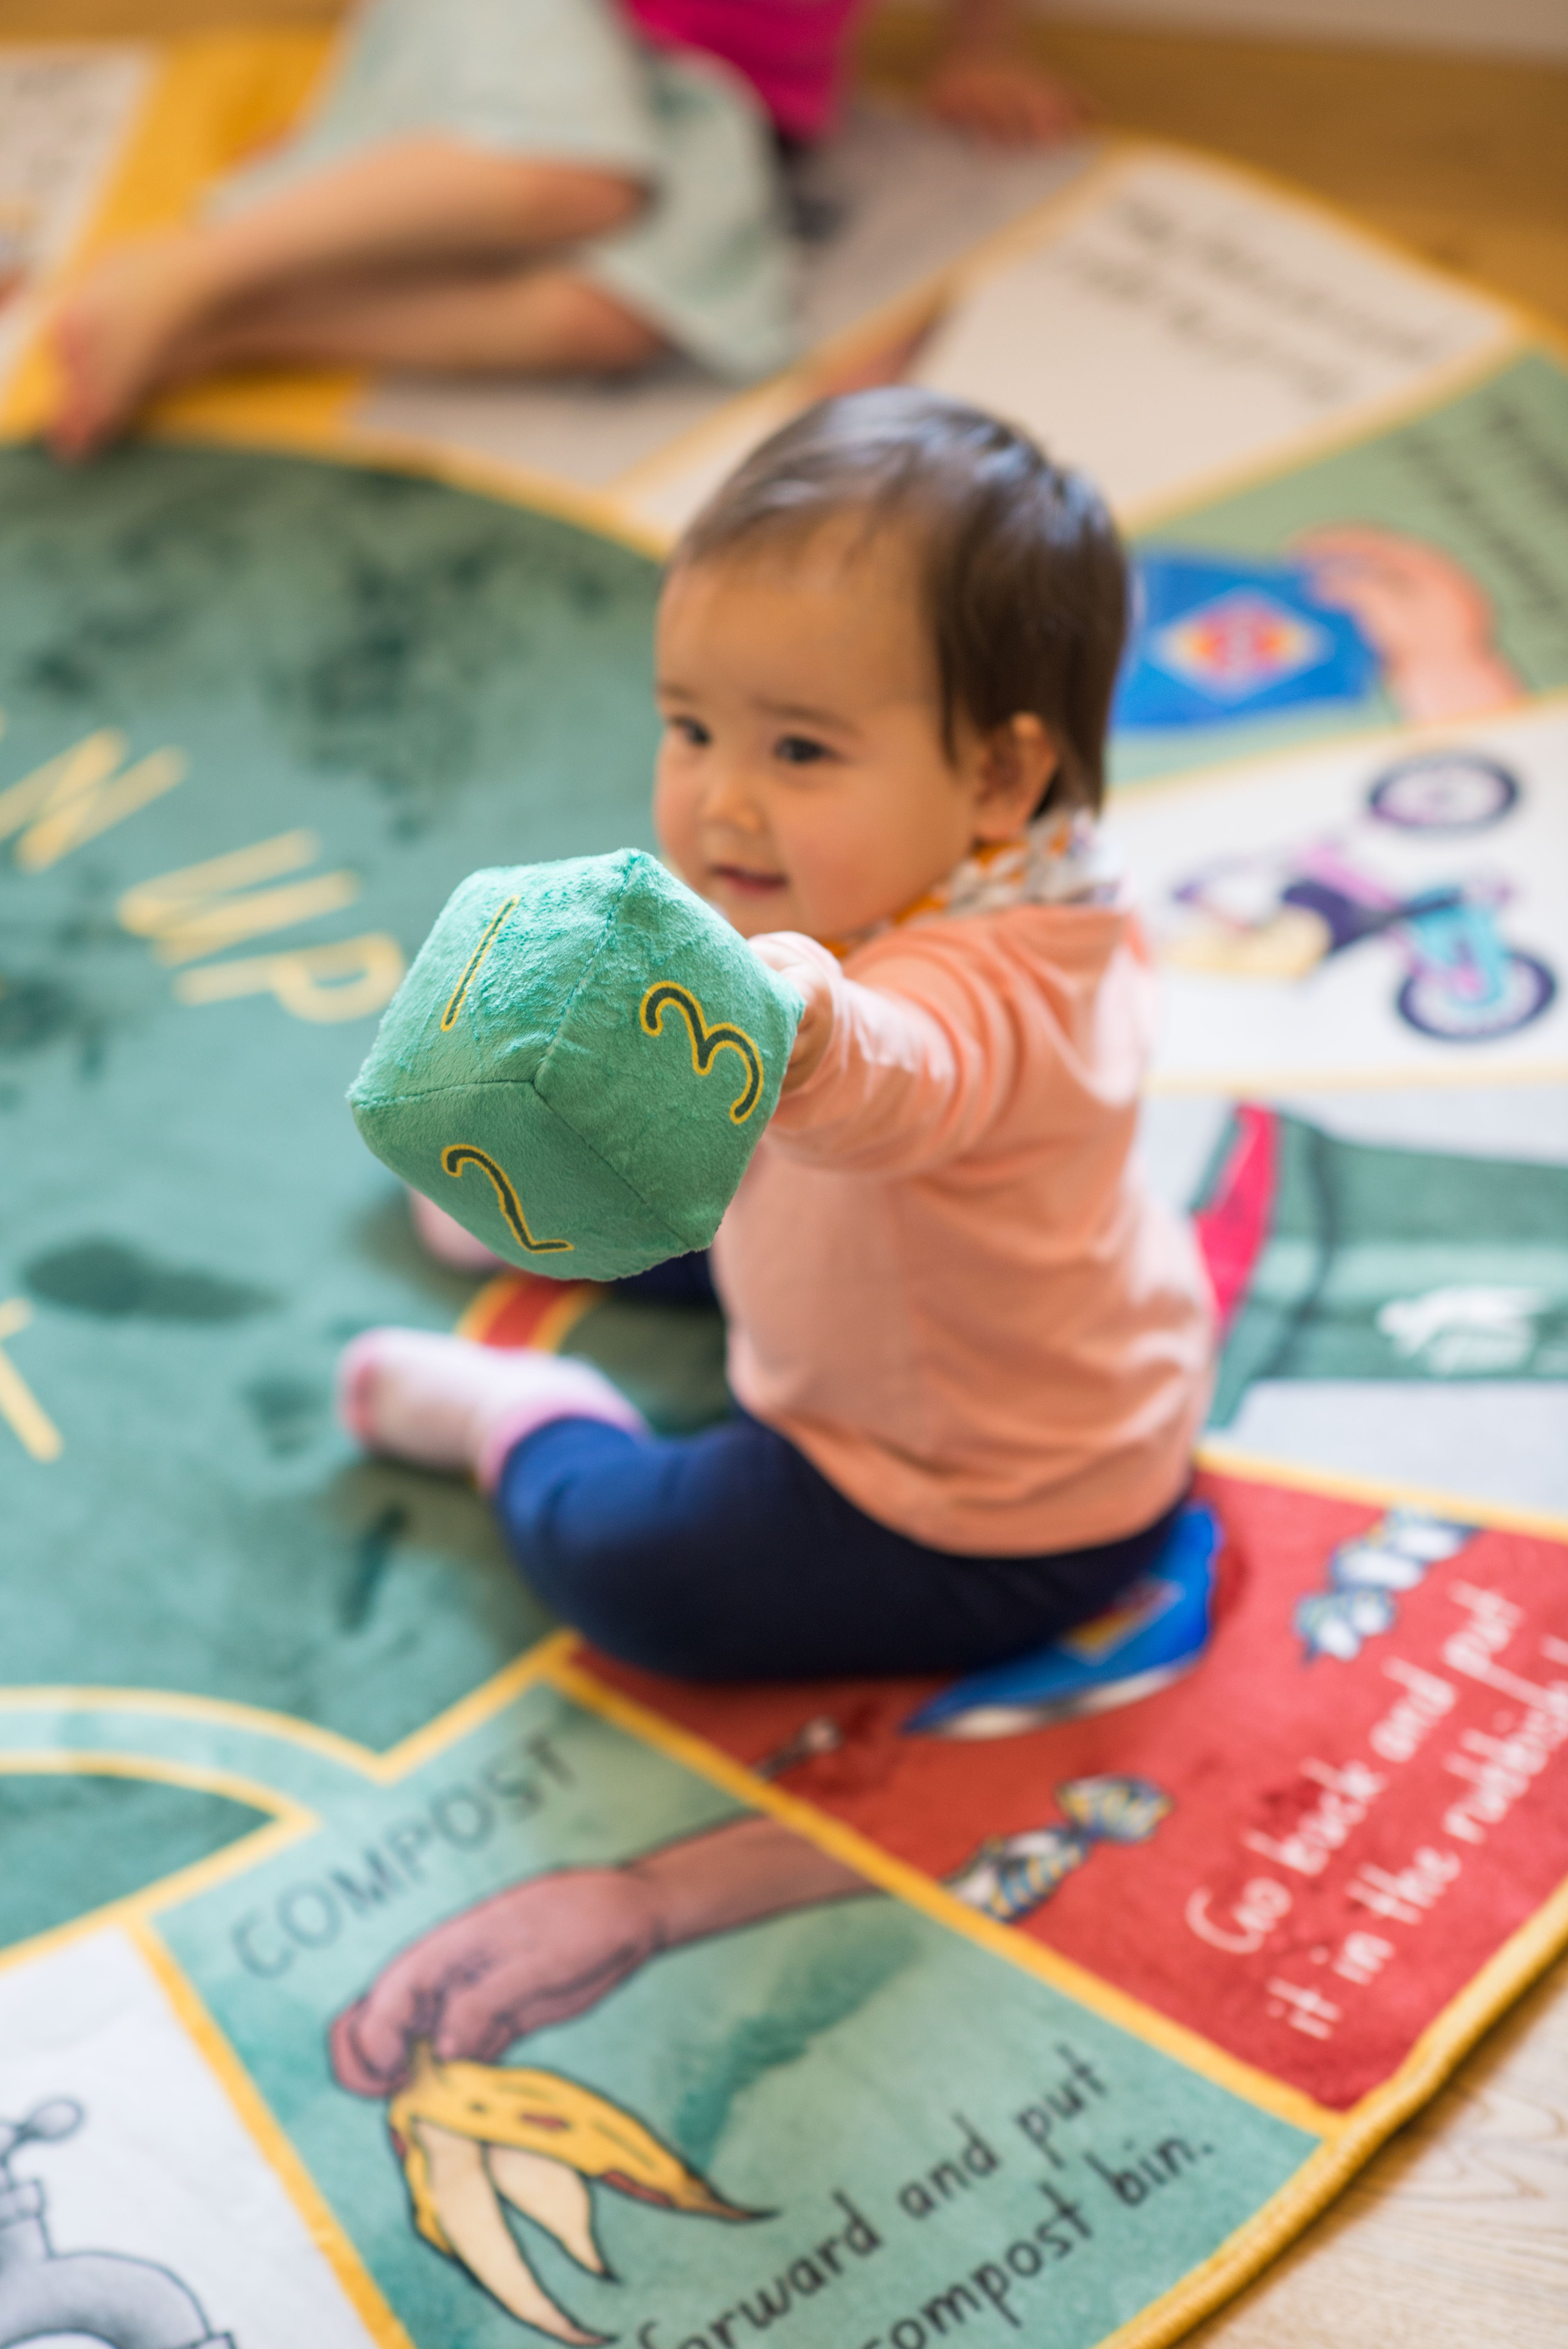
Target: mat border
<point>276,2149</point>
<point>1346,2141</point>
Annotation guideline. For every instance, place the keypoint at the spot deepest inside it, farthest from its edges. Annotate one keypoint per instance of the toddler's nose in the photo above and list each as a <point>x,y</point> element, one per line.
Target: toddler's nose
<point>729,799</point>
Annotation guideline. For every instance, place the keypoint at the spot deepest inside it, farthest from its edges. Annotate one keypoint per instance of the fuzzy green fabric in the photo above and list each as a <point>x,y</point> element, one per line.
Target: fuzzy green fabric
<point>579,1065</point>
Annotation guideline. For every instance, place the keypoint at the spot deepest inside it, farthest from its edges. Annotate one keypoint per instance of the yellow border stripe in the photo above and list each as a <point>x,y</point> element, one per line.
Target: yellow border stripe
<point>1349,2138</point>
<point>1485,1997</point>
<point>1384,733</point>
<point>553,1325</point>
<point>1268,1084</point>
<point>222,1711</point>
<point>276,2147</point>
<point>236,1859</point>
<point>233,1786</point>
<point>918,1890</point>
<point>29,1422</point>
<point>1256,1468</point>
<point>471,1712</point>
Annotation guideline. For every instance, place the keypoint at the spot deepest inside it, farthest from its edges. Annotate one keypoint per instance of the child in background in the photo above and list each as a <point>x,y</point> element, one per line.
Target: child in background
<point>971,1350</point>
<point>517,186</point>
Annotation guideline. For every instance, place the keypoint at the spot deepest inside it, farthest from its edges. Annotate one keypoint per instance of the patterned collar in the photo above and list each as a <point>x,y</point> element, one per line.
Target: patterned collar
<point>1059,860</point>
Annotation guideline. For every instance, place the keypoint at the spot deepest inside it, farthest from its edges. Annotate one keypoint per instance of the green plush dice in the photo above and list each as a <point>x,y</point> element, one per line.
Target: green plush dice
<point>579,1065</point>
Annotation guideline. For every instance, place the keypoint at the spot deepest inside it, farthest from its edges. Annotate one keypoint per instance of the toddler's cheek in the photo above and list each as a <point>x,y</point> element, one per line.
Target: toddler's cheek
<point>674,826</point>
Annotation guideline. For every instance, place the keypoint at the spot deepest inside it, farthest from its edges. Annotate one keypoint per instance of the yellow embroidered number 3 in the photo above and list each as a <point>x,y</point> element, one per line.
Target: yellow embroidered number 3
<point>706,1041</point>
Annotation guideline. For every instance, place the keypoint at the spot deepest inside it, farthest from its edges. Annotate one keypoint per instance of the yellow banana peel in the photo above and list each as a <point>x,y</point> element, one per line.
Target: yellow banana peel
<point>471,2136</point>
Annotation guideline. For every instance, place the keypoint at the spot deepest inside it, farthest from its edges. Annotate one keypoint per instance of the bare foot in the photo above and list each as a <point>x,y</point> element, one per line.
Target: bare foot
<point>115,338</point>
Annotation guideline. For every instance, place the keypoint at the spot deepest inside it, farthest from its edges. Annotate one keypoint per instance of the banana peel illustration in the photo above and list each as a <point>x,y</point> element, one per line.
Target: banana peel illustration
<point>472,2135</point>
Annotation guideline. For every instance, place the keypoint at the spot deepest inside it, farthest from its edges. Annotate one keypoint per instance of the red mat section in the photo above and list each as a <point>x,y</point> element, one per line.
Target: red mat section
<point>1365,1785</point>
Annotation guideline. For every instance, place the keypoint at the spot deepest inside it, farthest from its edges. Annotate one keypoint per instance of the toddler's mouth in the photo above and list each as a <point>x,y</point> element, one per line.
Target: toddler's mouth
<point>746,884</point>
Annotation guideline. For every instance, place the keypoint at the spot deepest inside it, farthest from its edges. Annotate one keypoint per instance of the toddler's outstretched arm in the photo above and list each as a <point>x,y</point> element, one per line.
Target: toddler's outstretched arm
<point>904,1073</point>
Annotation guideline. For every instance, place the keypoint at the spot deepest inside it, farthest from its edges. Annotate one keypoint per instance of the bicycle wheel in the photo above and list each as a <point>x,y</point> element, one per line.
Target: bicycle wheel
<point>1428,1002</point>
<point>1443,791</point>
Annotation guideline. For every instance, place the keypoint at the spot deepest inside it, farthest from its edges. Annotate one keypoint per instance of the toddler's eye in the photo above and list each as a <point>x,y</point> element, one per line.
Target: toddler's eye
<point>690,730</point>
<point>799,750</point>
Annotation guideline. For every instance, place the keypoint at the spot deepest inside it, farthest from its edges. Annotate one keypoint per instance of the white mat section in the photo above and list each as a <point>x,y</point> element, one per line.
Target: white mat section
<point>1190,320</point>
<point>894,198</point>
<point>1251,1005</point>
<point>1501,1440</point>
<point>1174,322</point>
<point>158,2167</point>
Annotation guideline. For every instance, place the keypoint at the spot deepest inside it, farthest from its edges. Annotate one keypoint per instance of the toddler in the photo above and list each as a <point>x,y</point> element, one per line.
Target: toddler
<point>521,186</point>
<point>970,1351</point>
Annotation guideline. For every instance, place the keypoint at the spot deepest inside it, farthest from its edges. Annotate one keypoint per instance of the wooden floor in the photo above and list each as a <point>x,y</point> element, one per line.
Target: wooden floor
<point>1465,159</point>
<point>1456,2236</point>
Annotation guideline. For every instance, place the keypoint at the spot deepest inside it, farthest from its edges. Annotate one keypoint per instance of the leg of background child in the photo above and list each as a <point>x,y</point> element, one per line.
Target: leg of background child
<point>416,204</point>
<point>728,1557</point>
<point>537,321</point>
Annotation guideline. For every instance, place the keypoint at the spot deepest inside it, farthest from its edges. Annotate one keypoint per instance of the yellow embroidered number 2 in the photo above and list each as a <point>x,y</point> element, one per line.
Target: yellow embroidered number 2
<point>459,1154</point>
<point>706,1041</point>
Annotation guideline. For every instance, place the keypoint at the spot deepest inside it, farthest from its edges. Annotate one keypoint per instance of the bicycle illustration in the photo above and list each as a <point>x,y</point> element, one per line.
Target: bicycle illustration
<point>93,2295</point>
<point>1281,915</point>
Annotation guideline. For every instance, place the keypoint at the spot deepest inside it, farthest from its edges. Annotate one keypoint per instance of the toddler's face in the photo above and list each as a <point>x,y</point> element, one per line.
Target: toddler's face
<point>803,783</point>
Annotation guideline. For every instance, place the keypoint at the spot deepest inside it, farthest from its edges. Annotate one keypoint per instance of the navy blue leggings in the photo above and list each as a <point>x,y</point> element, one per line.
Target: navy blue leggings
<point>727,1557</point>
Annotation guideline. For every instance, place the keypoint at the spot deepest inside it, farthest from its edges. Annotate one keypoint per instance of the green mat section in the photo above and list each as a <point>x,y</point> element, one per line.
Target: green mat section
<point>1380,1263</point>
<point>262,716</point>
<point>427,681</point>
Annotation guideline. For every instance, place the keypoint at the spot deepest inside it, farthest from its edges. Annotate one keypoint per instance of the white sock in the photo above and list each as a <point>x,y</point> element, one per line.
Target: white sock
<point>446,1403</point>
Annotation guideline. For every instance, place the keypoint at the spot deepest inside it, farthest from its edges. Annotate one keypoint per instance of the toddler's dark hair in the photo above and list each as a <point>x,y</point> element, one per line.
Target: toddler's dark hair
<point>1023,573</point>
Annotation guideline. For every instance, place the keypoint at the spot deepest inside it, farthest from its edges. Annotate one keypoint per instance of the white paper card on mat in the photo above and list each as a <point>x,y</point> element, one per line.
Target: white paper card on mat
<point>137,2152</point>
<point>1392,911</point>
<point>64,114</point>
<point>896,198</point>
<point>1185,321</point>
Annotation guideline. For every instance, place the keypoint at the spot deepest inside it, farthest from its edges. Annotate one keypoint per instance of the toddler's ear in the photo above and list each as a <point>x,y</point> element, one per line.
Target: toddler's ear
<point>1016,763</point>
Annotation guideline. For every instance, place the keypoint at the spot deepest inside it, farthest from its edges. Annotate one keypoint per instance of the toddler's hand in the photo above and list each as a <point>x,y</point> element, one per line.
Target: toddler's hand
<point>781,950</point>
<point>1001,98</point>
<point>538,1954</point>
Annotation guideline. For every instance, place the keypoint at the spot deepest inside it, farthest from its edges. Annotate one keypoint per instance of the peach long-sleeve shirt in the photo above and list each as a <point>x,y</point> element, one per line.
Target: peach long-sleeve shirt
<point>945,1279</point>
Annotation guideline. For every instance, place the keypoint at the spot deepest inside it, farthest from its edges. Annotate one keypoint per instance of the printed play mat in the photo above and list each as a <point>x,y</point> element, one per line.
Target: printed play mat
<point>859,2017</point>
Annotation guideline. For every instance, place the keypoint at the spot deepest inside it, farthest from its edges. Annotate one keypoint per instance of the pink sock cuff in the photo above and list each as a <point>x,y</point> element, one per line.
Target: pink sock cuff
<point>594,1398</point>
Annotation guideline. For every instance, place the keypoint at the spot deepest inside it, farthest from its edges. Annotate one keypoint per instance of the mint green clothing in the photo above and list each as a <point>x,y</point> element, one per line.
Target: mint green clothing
<point>707,260</point>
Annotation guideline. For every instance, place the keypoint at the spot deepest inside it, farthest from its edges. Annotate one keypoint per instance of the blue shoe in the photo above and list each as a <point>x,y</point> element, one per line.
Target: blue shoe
<point>1156,1631</point>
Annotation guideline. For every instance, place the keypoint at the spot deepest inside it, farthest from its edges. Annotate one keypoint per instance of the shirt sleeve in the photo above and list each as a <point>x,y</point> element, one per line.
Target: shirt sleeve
<point>924,1056</point>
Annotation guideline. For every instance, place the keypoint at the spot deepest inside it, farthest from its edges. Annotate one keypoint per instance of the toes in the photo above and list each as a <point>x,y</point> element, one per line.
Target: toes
<point>77,424</point>
<point>359,1369</point>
